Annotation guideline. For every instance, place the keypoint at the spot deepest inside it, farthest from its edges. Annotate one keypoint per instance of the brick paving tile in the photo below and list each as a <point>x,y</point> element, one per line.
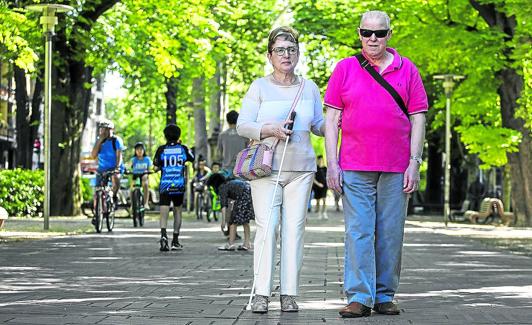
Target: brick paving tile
<point>122,278</point>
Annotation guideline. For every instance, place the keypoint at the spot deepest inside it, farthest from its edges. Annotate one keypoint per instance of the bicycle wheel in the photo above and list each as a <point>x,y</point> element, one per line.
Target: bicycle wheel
<point>99,212</point>
<point>135,207</point>
<point>141,209</point>
<point>207,208</point>
<point>110,217</point>
<point>199,207</point>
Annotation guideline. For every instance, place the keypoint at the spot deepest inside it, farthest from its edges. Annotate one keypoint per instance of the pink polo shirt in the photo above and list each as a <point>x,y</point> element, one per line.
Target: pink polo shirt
<point>375,132</point>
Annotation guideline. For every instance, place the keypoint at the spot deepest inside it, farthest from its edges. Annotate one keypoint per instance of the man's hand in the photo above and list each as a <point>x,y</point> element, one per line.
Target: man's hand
<point>411,178</point>
<point>334,177</point>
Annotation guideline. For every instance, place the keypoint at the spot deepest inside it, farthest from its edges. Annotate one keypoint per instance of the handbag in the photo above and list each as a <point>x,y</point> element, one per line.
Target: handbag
<point>377,76</point>
<point>256,160</point>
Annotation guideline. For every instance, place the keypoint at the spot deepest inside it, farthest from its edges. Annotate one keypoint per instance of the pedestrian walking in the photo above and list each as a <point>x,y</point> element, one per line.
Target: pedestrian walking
<point>264,109</point>
<point>381,100</point>
<point>319,188</point>
<point>230,144</point>
<point>237,210</point>
<point>170,159</point>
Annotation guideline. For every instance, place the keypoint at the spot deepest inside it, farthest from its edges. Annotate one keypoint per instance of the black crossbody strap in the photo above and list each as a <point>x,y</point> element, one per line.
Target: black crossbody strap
<point>367,66</point>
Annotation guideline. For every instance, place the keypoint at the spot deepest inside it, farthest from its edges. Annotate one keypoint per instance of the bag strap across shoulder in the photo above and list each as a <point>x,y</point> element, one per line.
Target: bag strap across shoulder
<point>292,108</point>
<point>385,84</point>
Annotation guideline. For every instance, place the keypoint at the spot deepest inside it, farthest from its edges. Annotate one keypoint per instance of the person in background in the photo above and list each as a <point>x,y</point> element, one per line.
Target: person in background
<point>170,159</point>
<point>320,188</point>
<point>230,144</point>
<point>237,209</point>
<point>141,164</point>
<point>378,164</point>
<point>108,149</point>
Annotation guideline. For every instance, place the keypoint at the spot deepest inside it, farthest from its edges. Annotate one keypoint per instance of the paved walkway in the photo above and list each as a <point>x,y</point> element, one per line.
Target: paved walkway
<point>122,278</point>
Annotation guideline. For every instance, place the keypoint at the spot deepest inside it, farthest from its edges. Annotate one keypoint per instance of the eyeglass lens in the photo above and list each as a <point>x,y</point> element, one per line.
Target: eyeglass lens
<point>379,33</point>
<point>282,50</point>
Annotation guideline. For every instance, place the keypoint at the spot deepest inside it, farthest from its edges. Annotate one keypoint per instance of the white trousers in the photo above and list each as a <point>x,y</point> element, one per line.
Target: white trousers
<point>289,210</point>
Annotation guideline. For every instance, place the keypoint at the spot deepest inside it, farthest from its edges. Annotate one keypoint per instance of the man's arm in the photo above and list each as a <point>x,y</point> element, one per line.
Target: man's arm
<point>417,138</point>
<point>334,174</point>
<point>118,158</point>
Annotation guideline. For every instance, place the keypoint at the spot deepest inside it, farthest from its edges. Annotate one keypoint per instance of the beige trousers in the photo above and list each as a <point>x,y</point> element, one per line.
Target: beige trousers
<point>289,211</point>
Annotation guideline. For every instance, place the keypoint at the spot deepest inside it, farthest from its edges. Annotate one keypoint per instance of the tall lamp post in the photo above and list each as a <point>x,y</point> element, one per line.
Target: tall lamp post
<point>448,85</point>
<point>48,21</point>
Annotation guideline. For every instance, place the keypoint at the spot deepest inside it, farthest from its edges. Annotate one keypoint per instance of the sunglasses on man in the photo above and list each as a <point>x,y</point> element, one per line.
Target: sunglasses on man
<point>380,33</point>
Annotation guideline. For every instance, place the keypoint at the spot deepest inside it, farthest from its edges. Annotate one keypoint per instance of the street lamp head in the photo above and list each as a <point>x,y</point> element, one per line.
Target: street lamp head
<point>448,81</point>
<point>48,10</point>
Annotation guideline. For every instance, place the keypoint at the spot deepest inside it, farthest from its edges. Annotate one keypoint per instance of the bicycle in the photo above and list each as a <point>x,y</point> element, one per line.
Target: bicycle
<point>137,199</point>
<point>202,204</point>
<point>215,204</point>
<point>104,206</point>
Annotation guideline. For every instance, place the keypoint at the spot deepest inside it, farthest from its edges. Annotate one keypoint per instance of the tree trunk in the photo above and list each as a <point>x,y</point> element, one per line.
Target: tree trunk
<point>70,108</point>
<point>171,100</point>
<point>28,117</point>
<point>200,122</point>
<point>24,143</point>
<point>509,91</point>
<point>521,171</point>
<point>67,123</point>
<point>215,109</point>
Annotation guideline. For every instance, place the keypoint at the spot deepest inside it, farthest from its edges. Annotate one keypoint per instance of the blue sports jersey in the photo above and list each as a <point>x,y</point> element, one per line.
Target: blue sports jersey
<point>140,166</point>
<point>107,154</point>
<point>171,159</point>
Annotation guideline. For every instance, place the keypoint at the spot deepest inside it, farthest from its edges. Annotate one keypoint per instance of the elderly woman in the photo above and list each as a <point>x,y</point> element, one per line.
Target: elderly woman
<point>378,164</point>
<point>264,109</point>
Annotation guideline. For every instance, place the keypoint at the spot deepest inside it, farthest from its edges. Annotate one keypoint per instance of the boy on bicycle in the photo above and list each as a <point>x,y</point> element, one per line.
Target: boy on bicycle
<point>170,159</point>
<point>140,165</point>
<point>108,149</point>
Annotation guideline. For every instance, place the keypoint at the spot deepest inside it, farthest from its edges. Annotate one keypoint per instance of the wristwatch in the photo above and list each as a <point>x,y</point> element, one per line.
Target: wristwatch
<point>417,159</point>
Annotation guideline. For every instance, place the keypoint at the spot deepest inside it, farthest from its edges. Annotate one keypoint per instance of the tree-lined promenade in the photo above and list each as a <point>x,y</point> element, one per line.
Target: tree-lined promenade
<point>189,62</point>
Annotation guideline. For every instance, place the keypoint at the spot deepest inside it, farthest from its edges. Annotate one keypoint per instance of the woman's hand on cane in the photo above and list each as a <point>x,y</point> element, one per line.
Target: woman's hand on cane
<point>277,130</point>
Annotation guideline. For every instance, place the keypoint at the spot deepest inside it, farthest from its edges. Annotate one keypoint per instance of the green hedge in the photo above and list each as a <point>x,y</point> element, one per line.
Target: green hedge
<point>21,192</point>
<point>86,189</point>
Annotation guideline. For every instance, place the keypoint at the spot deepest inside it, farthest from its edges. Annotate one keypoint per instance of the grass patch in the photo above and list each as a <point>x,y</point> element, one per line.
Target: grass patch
<point>16,229</point>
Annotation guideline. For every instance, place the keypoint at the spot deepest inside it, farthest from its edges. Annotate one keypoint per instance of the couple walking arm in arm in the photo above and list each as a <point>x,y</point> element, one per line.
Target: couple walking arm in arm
<point>376,167</point>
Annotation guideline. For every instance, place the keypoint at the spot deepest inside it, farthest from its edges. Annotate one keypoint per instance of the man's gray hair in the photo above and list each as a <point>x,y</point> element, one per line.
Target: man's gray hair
<point>376,15</point>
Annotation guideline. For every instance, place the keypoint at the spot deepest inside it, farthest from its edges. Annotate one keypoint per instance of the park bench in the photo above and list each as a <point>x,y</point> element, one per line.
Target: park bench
<point>490,208</point>
<point>458,215</point>
<point>507,218</point>
<point>486,210</point>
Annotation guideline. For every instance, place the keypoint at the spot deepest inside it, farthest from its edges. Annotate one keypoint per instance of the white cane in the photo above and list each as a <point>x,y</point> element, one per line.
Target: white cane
<point>255,274</point>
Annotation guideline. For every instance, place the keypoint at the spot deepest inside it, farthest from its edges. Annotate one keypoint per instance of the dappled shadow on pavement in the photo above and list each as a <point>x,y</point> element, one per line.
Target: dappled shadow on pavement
<point>122,278</point>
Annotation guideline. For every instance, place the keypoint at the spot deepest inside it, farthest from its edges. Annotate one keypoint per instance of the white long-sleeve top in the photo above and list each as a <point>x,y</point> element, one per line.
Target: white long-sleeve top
<point>267,102</point>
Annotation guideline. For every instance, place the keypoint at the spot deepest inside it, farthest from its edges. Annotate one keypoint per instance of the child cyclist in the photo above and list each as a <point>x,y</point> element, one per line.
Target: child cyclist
<point>141,164</point>
<point>170,159</point>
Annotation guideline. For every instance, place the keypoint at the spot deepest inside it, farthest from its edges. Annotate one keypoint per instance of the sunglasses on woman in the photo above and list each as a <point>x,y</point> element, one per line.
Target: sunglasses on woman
<point>381,33</point>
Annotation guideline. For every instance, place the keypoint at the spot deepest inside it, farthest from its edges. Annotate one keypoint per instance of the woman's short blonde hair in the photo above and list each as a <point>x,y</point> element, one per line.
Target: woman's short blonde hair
<point>288,33</point>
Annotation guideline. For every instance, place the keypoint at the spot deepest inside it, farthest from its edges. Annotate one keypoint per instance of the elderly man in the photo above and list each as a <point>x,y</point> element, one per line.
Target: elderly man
<point>378,163</point>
